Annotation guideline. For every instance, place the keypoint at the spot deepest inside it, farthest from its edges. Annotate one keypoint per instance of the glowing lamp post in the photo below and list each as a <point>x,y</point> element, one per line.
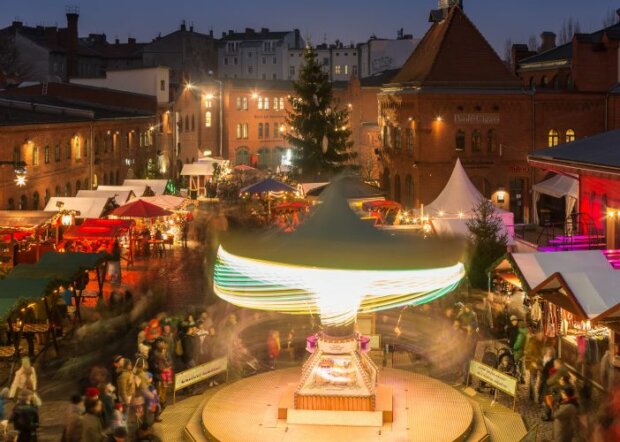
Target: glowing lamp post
<point>335,265</point>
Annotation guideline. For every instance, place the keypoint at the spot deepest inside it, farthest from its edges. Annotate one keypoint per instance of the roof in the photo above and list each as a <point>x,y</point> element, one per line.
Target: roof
<point>119,197</point>
<point>138,190</point>
<point>267,185</point>
<point>139,208</point>
<point>379,79</point>
<point>352,188</point>
<point>335,237</point>
<point>558,186</point>
<point>255,35</point>
<point>454,52</point>
<point>200,168</point>
<point>169,202</point>
<point>99,229</point>
<point>597,150</point>
<point>88,207</point>
<point>12,291</point>
<point>23,218</point>
<point>157,186</point>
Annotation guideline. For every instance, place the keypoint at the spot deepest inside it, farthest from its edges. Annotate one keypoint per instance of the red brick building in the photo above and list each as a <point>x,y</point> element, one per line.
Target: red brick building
<point>53,134</point>
<point>455,98</point>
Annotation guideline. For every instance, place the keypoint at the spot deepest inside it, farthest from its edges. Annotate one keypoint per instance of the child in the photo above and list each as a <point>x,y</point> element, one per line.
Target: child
<point>118,417</point>
<point>151,401</point>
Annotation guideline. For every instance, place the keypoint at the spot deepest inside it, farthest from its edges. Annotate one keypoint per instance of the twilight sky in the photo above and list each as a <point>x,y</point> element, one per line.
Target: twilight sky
<point>347,20</point>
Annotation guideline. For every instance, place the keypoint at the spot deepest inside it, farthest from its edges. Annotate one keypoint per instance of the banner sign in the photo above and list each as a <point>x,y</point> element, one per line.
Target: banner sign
<point>493,377</point>
<point>200,373</point>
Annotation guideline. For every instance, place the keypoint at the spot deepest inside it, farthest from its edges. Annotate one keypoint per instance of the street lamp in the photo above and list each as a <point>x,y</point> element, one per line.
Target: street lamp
<point>19,167</point>
<point>219,82</point>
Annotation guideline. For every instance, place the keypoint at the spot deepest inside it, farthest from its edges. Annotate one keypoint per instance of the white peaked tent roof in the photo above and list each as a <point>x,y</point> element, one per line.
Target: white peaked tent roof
<point>137,190</point>
<point>458,197</point>
<point>120,197</point>
<point>87,207</point>
<point>558,186</point>
<point>157,186</point>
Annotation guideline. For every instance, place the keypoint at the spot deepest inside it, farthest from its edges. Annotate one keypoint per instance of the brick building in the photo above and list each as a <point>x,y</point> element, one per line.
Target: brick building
<point>53,134</point>
<point>253,125</point>
<point>454,97</point>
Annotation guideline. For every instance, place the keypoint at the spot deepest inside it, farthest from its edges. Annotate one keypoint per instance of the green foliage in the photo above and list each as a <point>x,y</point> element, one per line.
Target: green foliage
<point>488,241</point>
<point>314,117</point>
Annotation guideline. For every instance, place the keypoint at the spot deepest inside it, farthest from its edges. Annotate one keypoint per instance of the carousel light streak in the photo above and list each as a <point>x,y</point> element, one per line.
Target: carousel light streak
<point>336,294</point>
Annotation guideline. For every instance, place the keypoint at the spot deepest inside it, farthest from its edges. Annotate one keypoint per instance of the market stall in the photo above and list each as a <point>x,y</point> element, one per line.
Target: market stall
<point>290,214</point>
<point>158,186</point>
<point>384,212</point>
<point>200,175</point>
<point>96,235</point>
<point>455,205</point>
<point>82,207</point>
<point>119,197</point>
<point>269,191</point>
<point>24,236</point>
<point>138,190</point>
<point>558,186</point>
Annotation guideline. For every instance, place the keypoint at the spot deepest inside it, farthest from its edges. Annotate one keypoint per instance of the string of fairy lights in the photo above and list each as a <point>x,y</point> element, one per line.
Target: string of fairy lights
<point>335,294</point>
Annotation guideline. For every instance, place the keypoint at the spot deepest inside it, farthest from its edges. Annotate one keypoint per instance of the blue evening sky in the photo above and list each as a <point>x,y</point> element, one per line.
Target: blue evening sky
<point>347,20</point>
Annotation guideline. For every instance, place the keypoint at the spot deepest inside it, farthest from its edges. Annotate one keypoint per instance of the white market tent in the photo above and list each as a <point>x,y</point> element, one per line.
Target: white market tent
<point>450,211</point>
<point>119,197</point>
<point>304,188</point>
<point>137,190</point>
<point>558,186</point>
<point>199,173</point>
<point>87,207</point>
<point>168,202</point>
<point>157,186</point>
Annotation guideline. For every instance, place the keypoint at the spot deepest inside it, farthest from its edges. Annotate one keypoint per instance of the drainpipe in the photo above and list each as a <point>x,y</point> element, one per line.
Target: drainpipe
<point>607,111</point>
<point>91,153</point>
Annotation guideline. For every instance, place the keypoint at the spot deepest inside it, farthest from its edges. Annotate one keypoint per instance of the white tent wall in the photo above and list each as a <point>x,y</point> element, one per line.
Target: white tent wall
<point>558,186</point>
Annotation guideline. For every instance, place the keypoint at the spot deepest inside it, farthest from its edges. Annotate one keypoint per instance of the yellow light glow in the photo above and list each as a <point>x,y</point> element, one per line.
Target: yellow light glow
<point>442,213</point>
<point>439,119</point>
<point>20,180</point>
<point>461,214</point>
<point>336,294</point>
<point>254,95</point>
<point>610,213</point>
<point>209,96</point>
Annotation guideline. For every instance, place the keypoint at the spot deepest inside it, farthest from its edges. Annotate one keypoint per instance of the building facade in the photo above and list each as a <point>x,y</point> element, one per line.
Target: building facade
<point>67,148</point>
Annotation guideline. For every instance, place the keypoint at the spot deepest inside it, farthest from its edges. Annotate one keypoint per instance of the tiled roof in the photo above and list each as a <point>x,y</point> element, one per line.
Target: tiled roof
<point>454,52</point>
<point>598,150</point>
<point>379,79</point>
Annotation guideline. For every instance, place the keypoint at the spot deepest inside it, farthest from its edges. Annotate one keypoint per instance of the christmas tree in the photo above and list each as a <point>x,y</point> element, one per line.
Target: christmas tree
<point>319,129</point>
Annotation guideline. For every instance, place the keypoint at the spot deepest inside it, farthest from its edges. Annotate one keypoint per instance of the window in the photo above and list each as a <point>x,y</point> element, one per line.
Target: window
<point>268,46</point>
<point>208,119</point>
<point>397,138</point>
<point>239,103</point>
<point>245,131</point>
<point>291,71</point>
<point>162,85</point>
<point>208,104</point>
<point>245,103</point>
<point>242,156</point>
<point>239,133</point>
<point>544,81</point>
<point>553,138</point>
<point>48,195</point>
<point>260,103</point>
<point>68,189</point>
<point>35,155</point>
<point>354,69</point>
<point>337,69</point>
<point>77,147</point>
<point>264,157</point>
<point>266,103</point>
<point>226,61</point>
<point>274,76</point>
<point>68,151</point>
<point>281,99</point>
<point>46,154</point>
<point>264,60</point>
<point>266,130</point>
<point>232,46</point>
<point>476,141</point>
<point>276,130</point>
<point>409,135</point>
<point>570,135</point>
<point>17,154</point>
<point>346,69</point>
<point>260,130</point>
<point>460,140</point>
<point>193,125</point>
<point>57,152</point>
<point>186,123</point>
<point>236,61</point>
<point>491,141</point>
<point>275,60</point>
<point>249,55</point>
<point>325,61</point>
<point>250,69</point>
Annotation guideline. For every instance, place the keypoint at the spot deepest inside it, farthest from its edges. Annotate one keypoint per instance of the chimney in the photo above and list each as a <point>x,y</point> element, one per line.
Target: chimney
<point>183,27</point>
<point>517,53</point>
<point>249,31</point>
<point>191,28</point>
<point>131,41</point>
<point>231,32</point>
<point>264,30</point>
<point>548,41</point>
<point>73,14</point>
<point>17,24</point>
<point>618,14</point>
<point>211,33</point>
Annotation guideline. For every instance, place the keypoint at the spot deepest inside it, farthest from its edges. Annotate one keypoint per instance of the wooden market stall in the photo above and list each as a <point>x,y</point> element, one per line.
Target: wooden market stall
<point>99,232</point>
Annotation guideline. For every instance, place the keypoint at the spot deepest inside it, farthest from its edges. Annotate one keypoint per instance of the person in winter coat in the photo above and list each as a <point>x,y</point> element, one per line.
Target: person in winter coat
<point>25,417</point>
<point>532,361</point>
<point>92,430</point>
<point>151,401</point>
<point>73,424</point>
<point>161,367</point>
<point>273,347</point>
<point>512,331</point>
<point>518,348</point>
<point>126,384</point>
<point>108,399</point>
<point>25,378</point>
<point>565,416</point>
<point>118,418</point>
<point>557,372</point>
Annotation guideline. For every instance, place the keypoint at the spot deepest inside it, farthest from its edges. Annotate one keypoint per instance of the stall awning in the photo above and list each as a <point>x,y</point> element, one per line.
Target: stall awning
<point>69,260</point>
<point>205,167</point>
<point>140,209</point>
<point>86,207</point>
<point>36,271</point>
<point>14,292</point>
<point>267,185</point>
<point>168,202</point>
<point>157,186</point>
<point>120,197</point>
<point>23,218</point>
<point>558,186</point>
<point>589,294</point>
<point>99,229</point>
<point>139,190</point>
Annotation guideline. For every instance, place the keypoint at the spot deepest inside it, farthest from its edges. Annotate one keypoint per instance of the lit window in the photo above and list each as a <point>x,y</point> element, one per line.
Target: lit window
<point>337,69</point>
<point>245,103</point>
<point>281,103</point>
<point>570,135</point>
<point>239,133</point>
<point>291,71</point>
<point>162,85</point>
<point>239,103</point>
<point>245,131</point>
<point>77,148</point>
<point>554,138</point>
<point>346,69</point>
<point>260,130</point>
<point>208,104</point>
<point>208,119</point>
<point>266,103</point>
<point>35,156</point>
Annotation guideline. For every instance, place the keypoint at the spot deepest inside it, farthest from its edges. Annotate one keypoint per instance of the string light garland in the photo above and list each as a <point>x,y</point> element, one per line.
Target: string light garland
<point>336,294</point>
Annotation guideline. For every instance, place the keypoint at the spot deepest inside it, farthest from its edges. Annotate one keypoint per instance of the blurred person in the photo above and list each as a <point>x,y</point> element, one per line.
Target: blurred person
<point>118,417</point>
<point>25,417</point>
<point>468,317</point>
<point>117,366</point>
<point>108,400</point>
<point>92,429</point>
<point>152,405</point>
<point>273,348</point>
<point>161,367</point>
<point>25,378</point>
<point>145,434</point>
<point>557,376</point>
<point>73,420</point>
<point>114,263</point>
<point>119,434</point>
<point>518,348</point>
<point>152,331</point>
<point>471,341</point>
<point>512,331</point>
<point>533,361</point>
<point>126,384</point>
<point>565,416</point>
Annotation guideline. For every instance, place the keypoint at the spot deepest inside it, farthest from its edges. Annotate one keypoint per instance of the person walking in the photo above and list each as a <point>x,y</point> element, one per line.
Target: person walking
<point>25,417</point>
<point>114,263</point>
<point>565,416</point>
<point>533,361</point>
<point>73,423</point>
<point>273,348</point>
<point>92,430</point>
<point>126,385</point>
<point>25,378</point>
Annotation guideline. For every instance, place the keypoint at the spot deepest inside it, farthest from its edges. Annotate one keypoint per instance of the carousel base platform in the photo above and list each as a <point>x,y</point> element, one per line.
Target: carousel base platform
<point>259,409</point>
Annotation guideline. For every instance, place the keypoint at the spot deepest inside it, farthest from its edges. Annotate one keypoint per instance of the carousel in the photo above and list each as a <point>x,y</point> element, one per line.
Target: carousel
<point>335,265</point>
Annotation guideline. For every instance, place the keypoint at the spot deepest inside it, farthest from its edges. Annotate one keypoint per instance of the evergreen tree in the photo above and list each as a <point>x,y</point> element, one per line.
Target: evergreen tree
<point>319,130</point>
<point>488,242</point>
